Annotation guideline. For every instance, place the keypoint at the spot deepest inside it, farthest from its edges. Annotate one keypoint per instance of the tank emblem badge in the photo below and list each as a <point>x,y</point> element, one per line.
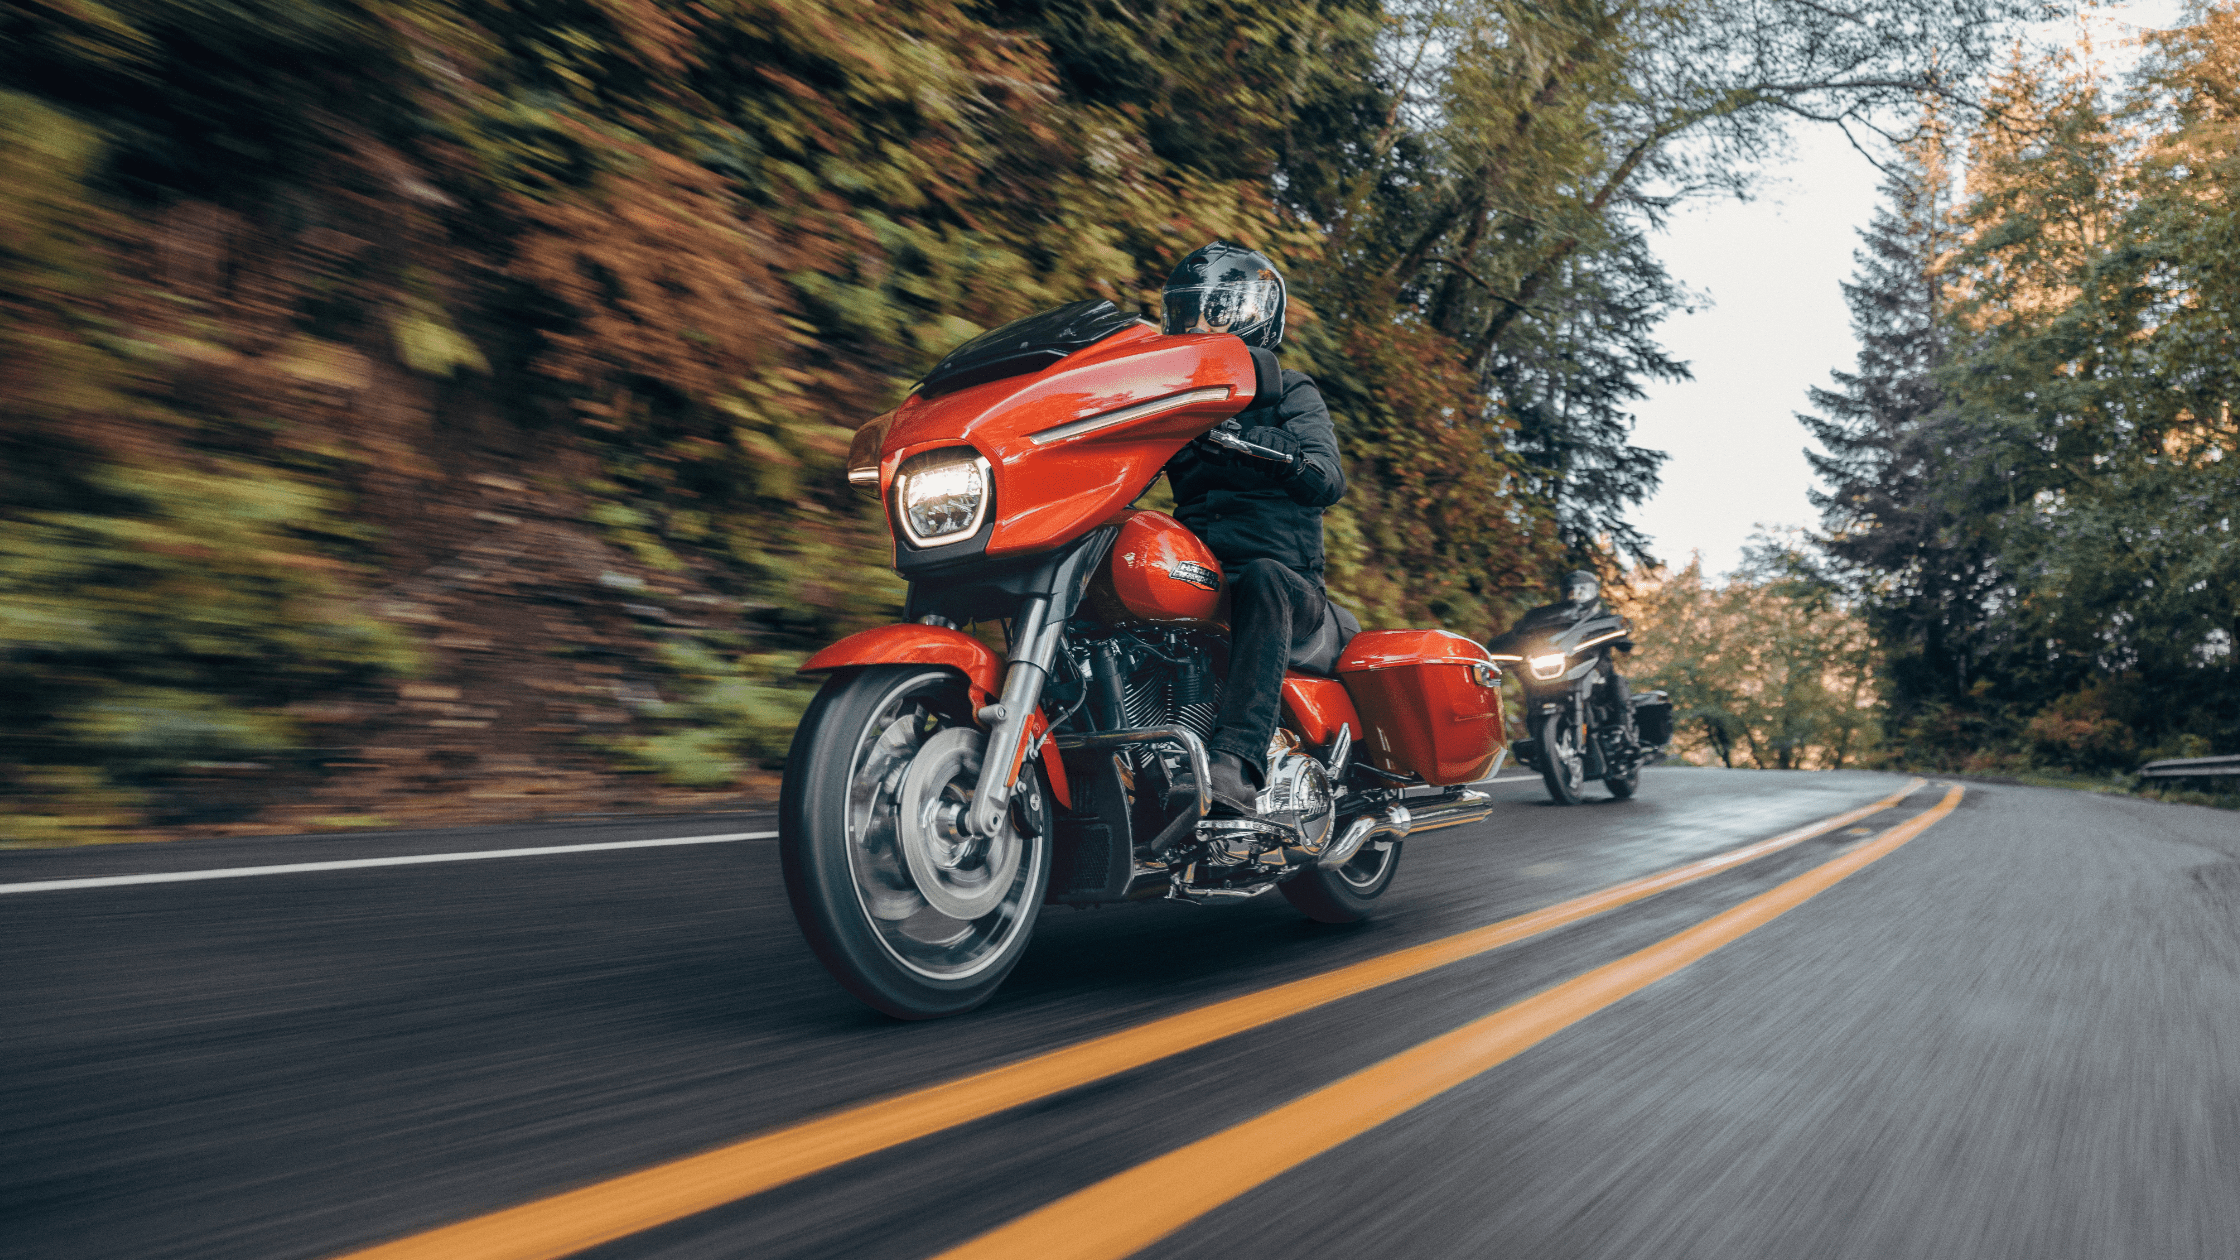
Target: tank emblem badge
<point>1194,573</point>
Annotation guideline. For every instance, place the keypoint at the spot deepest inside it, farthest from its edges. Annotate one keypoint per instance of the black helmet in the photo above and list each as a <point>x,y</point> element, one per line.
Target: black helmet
<point>1581,587</point>
<point>1223,287</point>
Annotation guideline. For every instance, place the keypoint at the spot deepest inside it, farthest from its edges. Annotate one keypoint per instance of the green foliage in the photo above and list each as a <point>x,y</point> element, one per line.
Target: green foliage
<point>173,628</point>
<point>1768,669</point>
<point>735,708</point>
<point>162,601</point>
<point>2050,548</point>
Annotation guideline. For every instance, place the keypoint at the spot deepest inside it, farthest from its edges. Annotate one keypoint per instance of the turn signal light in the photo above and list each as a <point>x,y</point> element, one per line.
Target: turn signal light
<point>863,452</point>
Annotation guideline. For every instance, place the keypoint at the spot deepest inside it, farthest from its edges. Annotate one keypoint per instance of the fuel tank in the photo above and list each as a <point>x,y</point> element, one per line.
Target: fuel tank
<point>1159,571</point>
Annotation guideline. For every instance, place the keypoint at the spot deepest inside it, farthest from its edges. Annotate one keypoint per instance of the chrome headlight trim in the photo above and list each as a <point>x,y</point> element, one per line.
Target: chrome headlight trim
<point>916,474</point>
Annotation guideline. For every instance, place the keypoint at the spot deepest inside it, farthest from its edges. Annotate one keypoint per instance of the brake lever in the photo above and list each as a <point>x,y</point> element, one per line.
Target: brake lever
<point>1231,442</point>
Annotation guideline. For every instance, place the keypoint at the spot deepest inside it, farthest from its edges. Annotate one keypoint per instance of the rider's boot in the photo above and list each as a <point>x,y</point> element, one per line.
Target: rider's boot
<point>1235,794</point>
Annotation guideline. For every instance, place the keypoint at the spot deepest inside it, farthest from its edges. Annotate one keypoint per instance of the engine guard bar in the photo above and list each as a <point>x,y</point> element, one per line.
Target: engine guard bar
<point>1182,737</point>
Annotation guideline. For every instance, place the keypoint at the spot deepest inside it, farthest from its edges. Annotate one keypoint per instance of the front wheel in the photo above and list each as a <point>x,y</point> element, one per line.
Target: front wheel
<point>1563,763</point>
<point>1345,894</point>
<point>910,912</point>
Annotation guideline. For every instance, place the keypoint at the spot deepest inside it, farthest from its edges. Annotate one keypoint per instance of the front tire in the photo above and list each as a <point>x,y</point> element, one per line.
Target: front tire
<point>854,864</point>
<point>1344,895</point>
<point>1563,763</point>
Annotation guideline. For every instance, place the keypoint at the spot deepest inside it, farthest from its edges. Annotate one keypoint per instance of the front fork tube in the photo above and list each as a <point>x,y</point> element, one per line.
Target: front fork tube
<point>1590,744</point>
<point>1034,645</point>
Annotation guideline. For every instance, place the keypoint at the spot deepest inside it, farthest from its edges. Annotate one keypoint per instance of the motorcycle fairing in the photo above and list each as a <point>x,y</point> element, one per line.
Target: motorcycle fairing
<point>1028,345</point>
<point>1074,443</point>
<point>1532,638</point>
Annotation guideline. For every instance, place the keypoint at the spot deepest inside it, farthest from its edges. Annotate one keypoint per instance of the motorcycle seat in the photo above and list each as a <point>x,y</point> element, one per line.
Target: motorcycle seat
<point>1319,654</point>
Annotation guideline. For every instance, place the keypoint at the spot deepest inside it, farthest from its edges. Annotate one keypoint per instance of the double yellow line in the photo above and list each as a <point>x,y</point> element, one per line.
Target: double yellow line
<point>1123,1214</point>
<point>577,1220</point>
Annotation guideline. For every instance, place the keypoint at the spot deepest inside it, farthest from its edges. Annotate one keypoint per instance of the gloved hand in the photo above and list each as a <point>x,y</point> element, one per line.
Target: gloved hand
<point>1213,454</point>
<point>1275,439</point>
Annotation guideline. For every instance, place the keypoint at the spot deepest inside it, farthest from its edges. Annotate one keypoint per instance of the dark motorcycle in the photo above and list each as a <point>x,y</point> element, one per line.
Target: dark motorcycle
<point>1581,724</point>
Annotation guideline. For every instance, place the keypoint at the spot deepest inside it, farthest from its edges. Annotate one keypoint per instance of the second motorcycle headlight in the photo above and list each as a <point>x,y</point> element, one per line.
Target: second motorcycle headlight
<point>1546,667</point>
<point>942,496</point>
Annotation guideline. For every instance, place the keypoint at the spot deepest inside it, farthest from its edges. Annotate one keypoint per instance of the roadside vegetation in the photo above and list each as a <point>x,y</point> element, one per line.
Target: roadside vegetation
<point>2031,483</point>
<point>2030,480</point>
<point>420,410</point>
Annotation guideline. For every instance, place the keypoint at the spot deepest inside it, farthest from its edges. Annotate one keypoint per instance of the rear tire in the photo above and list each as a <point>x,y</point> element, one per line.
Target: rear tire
<point>1563,763</point>
<point>842,844</point>
<point>1622,787</point>
<point>1347,894</point>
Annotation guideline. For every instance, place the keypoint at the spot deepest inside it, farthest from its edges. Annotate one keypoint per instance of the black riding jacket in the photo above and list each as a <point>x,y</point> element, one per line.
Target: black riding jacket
<point>1240,513</point>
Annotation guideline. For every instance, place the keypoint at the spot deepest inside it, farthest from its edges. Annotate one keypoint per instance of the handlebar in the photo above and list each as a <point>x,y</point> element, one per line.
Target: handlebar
<point>1231,442</point>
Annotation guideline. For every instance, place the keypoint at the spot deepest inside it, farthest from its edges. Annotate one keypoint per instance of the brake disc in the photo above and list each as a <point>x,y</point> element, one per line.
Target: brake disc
<point>961,875</point>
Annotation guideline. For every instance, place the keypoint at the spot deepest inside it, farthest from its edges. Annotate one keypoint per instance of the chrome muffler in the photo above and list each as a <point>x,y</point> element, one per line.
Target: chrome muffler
<point>1398,822</point>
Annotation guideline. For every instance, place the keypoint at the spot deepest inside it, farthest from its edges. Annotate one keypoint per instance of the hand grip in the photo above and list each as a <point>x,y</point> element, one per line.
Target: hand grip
<point>1231,442</point>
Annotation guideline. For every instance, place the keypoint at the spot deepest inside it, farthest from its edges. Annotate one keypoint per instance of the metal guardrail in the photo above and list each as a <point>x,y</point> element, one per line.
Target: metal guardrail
<point>2191,768</point>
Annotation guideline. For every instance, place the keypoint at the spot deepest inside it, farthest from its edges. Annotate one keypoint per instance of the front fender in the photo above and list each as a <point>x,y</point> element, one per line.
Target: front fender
<point>914,644</point>
<point>911,643</point>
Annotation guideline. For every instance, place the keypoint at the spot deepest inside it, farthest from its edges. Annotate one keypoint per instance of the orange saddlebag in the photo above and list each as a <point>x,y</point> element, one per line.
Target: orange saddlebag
<point>1431,702</point>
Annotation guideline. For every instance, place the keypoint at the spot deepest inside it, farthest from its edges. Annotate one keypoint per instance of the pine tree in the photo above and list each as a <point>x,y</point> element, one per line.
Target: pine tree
<point>1892,454</point>
<point>1568,376</point>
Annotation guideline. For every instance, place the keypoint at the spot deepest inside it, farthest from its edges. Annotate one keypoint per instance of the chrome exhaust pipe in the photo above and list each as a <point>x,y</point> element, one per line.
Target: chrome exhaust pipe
<point>1393,821</point>
<point>1398,822</point>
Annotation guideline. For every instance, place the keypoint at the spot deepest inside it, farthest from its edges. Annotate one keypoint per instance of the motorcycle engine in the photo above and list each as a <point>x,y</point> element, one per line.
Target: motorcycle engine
<point>1298,794</point>
<point>1299,808</point>
<point>1167,677</point>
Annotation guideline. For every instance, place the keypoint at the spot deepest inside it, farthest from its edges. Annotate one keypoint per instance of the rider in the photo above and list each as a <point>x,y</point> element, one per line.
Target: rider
<point>1262,518</point>
<point>1582,600</point>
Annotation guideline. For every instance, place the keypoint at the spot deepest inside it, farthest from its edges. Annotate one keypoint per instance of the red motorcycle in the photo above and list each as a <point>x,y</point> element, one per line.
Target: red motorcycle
<point>938,794</point>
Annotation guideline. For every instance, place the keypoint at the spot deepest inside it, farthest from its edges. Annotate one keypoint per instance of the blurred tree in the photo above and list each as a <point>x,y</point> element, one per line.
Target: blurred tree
<point>1768,669</point>
<point>284,280</point>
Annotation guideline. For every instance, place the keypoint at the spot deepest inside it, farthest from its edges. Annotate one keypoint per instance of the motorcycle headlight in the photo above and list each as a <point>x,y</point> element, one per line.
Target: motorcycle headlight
<point>1546,667</point>
<point>942,496</point>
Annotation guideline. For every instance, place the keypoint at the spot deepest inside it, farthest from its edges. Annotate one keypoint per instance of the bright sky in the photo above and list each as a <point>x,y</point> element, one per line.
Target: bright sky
<point>1776,324</point>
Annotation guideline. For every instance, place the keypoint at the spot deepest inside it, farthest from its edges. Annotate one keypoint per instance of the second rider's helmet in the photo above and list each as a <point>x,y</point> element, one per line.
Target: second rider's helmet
<point>1224,287</point>
<point>1582,588</point>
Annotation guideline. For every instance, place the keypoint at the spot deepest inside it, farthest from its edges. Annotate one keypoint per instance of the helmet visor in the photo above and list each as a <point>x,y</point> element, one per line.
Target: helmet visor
<point>1232,306</point>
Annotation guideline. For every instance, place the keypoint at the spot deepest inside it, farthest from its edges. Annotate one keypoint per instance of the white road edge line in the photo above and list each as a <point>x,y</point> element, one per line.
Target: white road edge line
<point>294,868</point>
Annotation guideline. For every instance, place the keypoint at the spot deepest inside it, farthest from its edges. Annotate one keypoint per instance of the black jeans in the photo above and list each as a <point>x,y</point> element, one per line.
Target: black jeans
<point>1272,608</point>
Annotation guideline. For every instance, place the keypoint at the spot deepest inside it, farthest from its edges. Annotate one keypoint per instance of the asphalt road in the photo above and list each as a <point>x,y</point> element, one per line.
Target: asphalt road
<point>2016,1034</point>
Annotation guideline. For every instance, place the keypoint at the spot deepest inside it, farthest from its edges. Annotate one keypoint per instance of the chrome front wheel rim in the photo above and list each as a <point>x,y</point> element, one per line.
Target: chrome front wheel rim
<point>987,886</point>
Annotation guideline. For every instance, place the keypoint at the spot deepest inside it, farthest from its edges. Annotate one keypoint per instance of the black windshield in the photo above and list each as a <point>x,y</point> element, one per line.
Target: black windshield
<point>1027,345</point>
